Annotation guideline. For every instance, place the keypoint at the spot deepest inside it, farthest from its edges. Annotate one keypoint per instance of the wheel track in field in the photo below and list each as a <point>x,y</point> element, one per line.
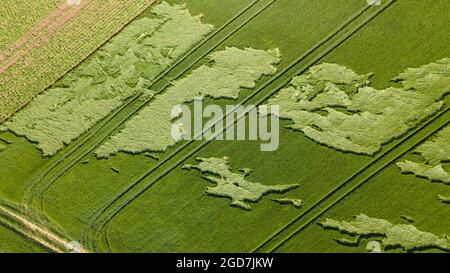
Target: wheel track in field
<point>64,161</point>
<point>307,217</point>
<point>102,218</point>
<point>9,224</point>
<point>16,220</point>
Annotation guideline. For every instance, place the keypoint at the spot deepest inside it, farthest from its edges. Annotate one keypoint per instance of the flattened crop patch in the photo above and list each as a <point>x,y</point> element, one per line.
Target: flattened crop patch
<point>231,70</point>
<point>334,106</point>
<point>124,67</point>
<point>434,153</point>
<point>234,185</point>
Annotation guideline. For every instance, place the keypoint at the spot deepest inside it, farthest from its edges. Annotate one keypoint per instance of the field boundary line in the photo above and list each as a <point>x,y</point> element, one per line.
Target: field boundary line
<point>103,125</point>
<point>169,169</point>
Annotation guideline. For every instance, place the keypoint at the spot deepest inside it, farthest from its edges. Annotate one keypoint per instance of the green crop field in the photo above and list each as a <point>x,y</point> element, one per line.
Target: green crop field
<point>40,42</point>
<point>87,148</point>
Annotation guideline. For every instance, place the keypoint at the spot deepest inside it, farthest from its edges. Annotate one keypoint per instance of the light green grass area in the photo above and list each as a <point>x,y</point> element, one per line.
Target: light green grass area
<point>234,185</point>
<point>124,67</point>
<point>40,42</point>
<point>17,17</point>
<point>334,106</point>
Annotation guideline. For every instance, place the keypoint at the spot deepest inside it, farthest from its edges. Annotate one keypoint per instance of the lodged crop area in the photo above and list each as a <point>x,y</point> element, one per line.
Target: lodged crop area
<point>88,162</point>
